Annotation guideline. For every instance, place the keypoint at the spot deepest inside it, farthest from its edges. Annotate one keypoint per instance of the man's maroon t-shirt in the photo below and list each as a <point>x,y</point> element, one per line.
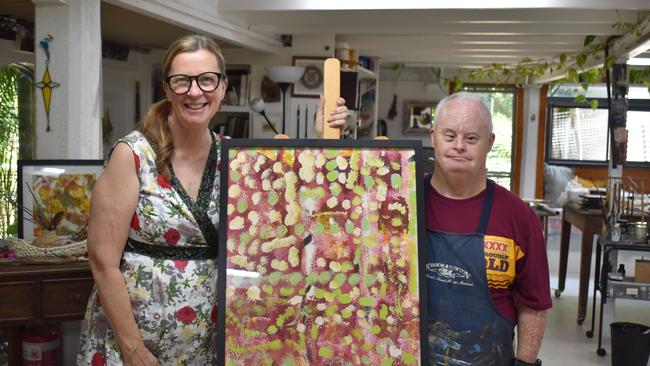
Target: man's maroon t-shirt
<point>515,251</point>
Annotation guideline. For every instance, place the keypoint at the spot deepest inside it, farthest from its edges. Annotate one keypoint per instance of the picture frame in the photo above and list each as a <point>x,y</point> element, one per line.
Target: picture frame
<point>56,186</point>
<point>418,116</point>
<point>310,85</point>
<point>296,240</point>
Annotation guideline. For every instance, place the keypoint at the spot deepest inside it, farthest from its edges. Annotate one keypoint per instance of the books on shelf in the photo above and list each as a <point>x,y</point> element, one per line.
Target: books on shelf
<point>238,91</point>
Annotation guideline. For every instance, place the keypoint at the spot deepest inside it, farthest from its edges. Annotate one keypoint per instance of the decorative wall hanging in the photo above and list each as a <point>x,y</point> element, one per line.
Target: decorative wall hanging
<point>46,84</point>
<point>310,84</point>
<point>319,258</point>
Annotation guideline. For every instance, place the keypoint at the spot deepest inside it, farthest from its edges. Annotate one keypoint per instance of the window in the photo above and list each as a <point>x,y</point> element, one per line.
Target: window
<point>501,102</point>
<point>16,127</point>
<point>578,134</point>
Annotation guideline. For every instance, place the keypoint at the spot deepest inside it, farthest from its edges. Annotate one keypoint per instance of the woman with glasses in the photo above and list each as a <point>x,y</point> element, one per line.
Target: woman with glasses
<point>152,235</point>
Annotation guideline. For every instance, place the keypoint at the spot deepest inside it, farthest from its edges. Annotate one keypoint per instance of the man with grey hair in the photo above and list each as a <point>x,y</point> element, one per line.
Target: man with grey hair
<point>486,264</point>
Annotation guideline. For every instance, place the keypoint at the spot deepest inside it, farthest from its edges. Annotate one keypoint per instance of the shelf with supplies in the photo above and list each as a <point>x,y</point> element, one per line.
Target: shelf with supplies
<point>637,288</point>
<point>359,88</point>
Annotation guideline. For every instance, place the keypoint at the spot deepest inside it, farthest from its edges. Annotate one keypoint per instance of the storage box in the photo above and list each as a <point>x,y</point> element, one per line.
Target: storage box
<point>642,270</point>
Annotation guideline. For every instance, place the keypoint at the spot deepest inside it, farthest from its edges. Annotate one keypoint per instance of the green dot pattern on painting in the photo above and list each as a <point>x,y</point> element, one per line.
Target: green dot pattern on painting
<point>324,277</point>
<point>235,175</point>
<point>282,231</point>
<point>319,293</point>
<point>344,299</point>
<point>272,329</point>
<point>346,313</point>
<point>387,361</point>
<point>396,181</point>
<point>334,228</point>
<point>383,312</point>
<point>319,228</point>
<point>299,229</point>
<point>375,329</point>
<point>353,280</point>
<point>331,165</point>
<point>338,280</point>
<point>332,176</point>
<point>335,189</point>
<point>331,310</point>
<point>275,345</point>
<point>365,224</point>
<point>274,277</point>
<point>349,227</point>
<point>311,278</point>
<point>232,154</point>
<point>242,205</point>
<point>367,301</point>
<point>267,288</point>
<point>286,291</point>
<point>368,181</point>
<point>408,358</point>
<point>346,266</point>
<point>325,352</point>
<point>265,231</point>
<point>370,280</point>
<point>245,237</point>
<point>295,278</point>
<point>273,198</point>
<point>396,221</point>
<point>332,153</point>
<point>288,362</point>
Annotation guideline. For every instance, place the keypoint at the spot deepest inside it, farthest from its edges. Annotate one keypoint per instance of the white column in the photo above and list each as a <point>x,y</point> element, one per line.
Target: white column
<point>74,32</point>
<point>528,166</point>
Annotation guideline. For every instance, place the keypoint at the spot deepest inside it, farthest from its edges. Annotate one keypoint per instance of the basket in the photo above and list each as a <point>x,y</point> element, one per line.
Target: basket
<point>24,249</point>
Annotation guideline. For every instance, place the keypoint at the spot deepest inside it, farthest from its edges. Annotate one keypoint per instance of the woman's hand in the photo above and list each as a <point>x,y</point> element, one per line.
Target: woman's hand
<point>336,118</point>
<point>140,356</point>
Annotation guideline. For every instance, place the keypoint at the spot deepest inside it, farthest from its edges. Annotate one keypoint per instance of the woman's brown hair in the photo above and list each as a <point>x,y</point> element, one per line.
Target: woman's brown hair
<point>155,126</point>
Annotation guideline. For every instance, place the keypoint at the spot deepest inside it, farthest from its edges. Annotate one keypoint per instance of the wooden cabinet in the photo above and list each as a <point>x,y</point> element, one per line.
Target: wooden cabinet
<point>44,293</point>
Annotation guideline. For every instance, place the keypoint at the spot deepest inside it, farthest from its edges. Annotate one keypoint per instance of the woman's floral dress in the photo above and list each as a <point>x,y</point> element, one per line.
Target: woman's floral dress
<point>173,297</point>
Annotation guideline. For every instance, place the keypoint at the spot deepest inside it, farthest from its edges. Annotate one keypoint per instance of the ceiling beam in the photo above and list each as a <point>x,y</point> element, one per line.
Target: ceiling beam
<point>200,21</point>
<point>290,5</point>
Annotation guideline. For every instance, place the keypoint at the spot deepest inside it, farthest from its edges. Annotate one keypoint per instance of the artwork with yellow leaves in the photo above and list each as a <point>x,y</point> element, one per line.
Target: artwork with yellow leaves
<point>54,196</point>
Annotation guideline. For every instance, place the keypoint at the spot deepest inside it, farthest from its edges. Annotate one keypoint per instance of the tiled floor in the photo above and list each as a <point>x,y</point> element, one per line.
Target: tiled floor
<point>565,342</point>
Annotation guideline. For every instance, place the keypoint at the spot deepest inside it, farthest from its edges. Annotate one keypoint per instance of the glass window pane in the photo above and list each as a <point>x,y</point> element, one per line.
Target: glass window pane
<point>638,136</point>
<point>579,134</point>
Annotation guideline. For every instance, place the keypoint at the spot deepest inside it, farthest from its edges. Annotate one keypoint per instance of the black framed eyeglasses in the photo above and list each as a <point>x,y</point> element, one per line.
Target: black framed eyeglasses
<point>181,84</point>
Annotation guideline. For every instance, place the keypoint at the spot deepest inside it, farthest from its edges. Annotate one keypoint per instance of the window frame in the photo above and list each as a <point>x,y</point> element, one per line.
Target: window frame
<point>640,105</point>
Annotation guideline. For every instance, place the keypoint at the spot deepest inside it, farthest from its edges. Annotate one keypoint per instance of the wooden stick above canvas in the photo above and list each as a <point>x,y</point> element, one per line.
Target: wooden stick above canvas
<point>332,92</point>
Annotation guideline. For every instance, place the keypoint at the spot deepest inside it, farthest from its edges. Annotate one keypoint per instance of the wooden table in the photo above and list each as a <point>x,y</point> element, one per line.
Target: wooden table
<point>40,293</point>
<point>590,222</point>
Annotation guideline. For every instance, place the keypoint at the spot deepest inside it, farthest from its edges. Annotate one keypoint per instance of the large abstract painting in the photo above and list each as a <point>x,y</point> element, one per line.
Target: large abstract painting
<point>319,253</point>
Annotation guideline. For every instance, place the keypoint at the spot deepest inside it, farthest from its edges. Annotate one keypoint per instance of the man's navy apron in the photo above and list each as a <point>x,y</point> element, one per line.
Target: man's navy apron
<point>464,327</point>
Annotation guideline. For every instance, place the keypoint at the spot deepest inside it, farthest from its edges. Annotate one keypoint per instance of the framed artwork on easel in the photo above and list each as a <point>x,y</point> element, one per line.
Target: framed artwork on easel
<point>319,257</point>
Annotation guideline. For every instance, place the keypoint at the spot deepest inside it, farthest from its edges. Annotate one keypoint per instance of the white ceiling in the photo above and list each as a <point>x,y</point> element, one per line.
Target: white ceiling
<point>461,34</point>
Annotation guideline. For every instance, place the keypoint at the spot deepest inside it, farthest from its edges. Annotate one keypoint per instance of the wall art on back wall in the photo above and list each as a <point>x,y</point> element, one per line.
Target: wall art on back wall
<point>319,253</point>
<point>310,84</point>
<point>55,195</point>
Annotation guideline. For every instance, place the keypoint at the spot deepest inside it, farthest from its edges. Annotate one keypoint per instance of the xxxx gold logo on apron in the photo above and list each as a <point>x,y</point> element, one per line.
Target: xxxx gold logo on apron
<point>501,255</point>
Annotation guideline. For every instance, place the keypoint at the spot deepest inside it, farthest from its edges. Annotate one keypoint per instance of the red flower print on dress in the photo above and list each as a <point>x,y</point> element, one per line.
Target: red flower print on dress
<point>163,183</point>
<point>137,161</point>
<point>186,315</point>
<point>135,222</point>
<point>180,265</point>
<point>171,236</point>
<point>98,360</point>
<point>213,314</point>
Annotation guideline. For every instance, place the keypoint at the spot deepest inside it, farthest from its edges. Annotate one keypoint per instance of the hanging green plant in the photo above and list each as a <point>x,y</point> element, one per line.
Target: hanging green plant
<point>573,66</point>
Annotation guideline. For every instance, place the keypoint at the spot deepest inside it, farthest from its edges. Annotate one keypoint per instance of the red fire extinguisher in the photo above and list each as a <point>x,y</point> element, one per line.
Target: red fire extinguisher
<point>41,346</point>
